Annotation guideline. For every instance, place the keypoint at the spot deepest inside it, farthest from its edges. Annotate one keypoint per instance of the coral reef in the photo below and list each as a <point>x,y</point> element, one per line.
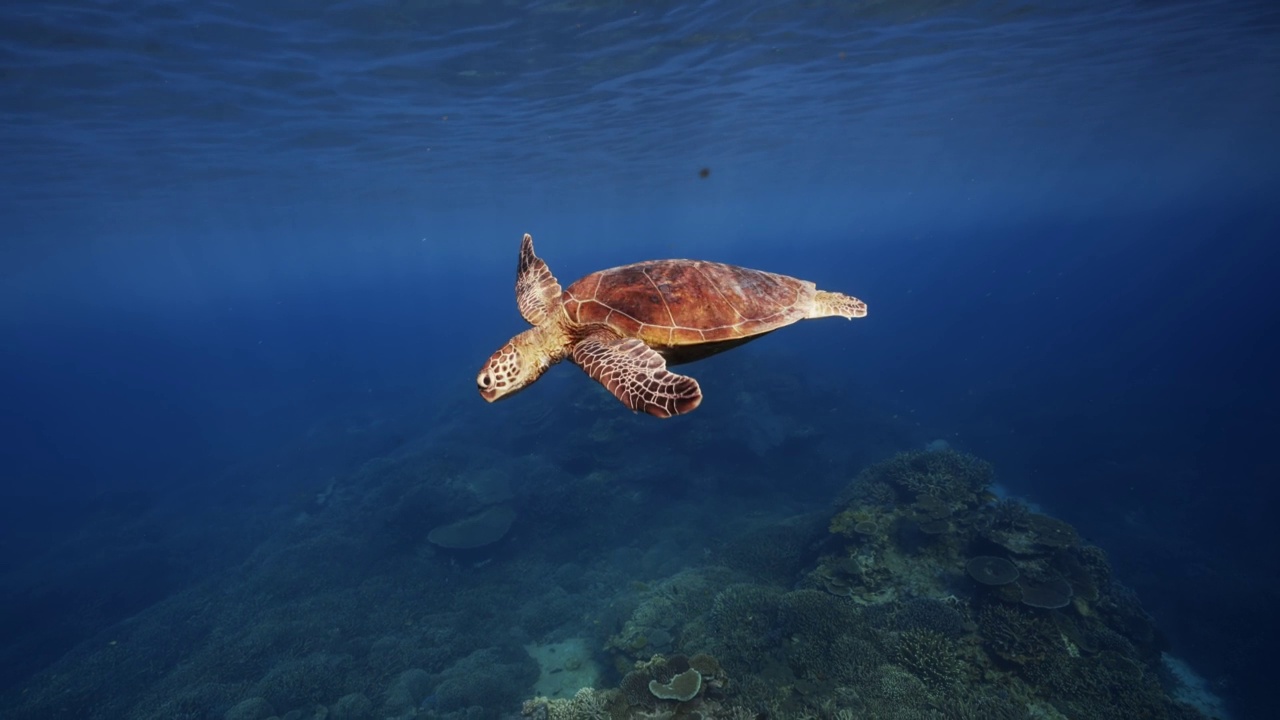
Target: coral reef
<point>254,708</point>
<point>779,551</point>
<point>675,686</point>
<point>660,608</point>
<point>744,624</point>
<point>1050,594</point>
<point>931,614</point>
<point>829,641</point>
<point>933,601</point>
<point>316,677</point>
<point>1017,636</point>
<point>930,656</point>
<point>586,704</point>
<point>917,597</point>
<point>354,706</point>
<point>990,570</point>
<point>680,688</point>
<point>486,678</point>
<point>947,477</point>
<point>913,611</point>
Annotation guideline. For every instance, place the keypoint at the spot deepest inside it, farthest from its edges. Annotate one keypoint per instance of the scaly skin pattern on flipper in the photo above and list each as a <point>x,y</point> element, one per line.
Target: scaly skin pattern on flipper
<point>537,291</point>
<point>637,375</point>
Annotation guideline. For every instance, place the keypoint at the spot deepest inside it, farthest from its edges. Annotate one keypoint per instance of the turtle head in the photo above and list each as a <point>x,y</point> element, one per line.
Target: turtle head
<point>514,366</point>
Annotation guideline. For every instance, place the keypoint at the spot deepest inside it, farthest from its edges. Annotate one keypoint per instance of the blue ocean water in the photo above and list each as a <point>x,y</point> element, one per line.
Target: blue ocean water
<point>253,254</point>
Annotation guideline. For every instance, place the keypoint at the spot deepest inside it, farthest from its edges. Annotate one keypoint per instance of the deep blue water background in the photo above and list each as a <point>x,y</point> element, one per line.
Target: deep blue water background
<point>248,246</point>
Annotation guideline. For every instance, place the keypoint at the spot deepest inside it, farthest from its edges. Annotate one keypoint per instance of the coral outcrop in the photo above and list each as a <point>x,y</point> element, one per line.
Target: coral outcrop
<point>930,599</point>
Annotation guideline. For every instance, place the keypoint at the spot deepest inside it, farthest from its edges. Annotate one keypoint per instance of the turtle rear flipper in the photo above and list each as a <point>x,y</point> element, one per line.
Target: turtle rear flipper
<point>637,375</point>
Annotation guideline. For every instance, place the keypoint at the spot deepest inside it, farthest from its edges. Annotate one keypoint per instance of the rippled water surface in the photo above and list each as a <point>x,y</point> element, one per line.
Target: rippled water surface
<point>458,102</point>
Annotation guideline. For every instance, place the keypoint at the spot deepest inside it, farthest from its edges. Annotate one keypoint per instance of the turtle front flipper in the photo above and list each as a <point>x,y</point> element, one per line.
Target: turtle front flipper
<point>637,375</point>
<point>537,291</point>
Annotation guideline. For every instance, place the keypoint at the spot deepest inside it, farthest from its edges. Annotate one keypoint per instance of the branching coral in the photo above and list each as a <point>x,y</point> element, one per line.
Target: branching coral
<point>931,508</point>
<point>829,638</point>
<point>1106,687</point>
<point>867,491</point>
<point>951,478</point>
<point>896,688</point>
<point>586,704</point>
<point>930,656</point>
<point>1018,636</point>
<point>1123,612</point>
<point>705,664</point>
<point>929,614</point>
<point>986,706</point>
<point>1009,514</point>
<point>777,552</point>
<point>317,677</point>
<point>635,689</point>
<point>666,606</point>
<point>1084,668</point>
<point>744,621</point>
<point>1051,532</point>
<point>1094,561</point>
<point>814,614</point>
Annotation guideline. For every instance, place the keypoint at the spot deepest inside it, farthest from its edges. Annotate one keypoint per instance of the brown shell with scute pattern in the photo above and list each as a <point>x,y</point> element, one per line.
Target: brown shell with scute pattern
<point>674,304</point>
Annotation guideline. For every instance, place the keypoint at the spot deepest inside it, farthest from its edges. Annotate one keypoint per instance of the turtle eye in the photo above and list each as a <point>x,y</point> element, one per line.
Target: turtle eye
<point>484,381</point>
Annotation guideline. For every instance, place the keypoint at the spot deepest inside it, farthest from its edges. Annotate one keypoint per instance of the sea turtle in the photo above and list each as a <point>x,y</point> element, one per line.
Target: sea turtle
<point>623,326</point>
